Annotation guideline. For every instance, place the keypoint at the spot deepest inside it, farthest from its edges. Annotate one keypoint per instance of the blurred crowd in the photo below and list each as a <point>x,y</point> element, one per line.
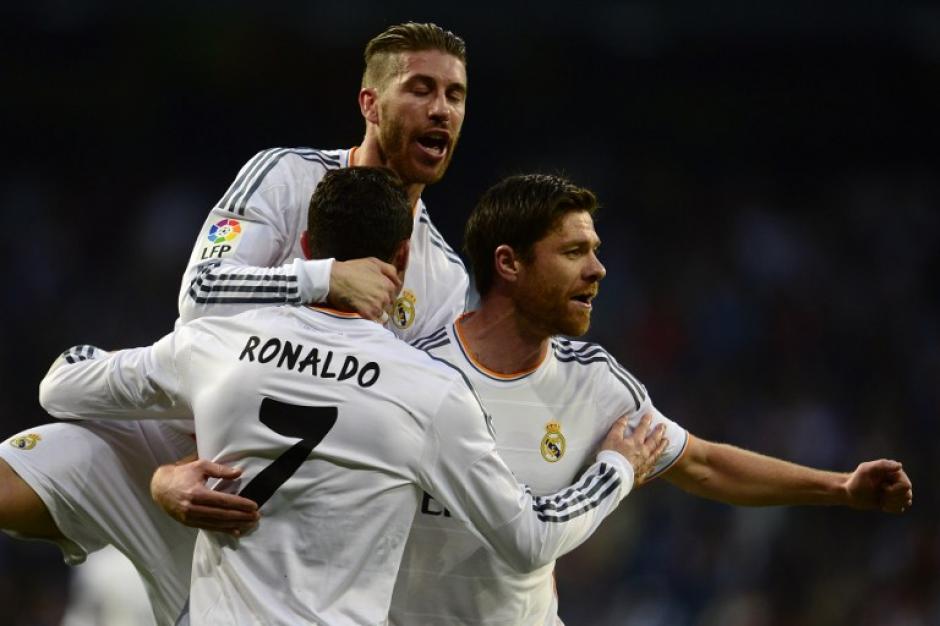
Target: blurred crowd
<point>771,229</point>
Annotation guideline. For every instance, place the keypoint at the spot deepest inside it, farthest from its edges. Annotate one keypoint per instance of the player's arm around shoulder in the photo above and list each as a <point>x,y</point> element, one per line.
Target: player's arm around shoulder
<point>240,257</point>
<point>136,383</point>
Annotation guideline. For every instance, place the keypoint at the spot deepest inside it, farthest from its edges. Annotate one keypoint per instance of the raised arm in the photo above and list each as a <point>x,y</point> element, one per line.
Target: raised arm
<point>735,476</point>
<point>464,473</point>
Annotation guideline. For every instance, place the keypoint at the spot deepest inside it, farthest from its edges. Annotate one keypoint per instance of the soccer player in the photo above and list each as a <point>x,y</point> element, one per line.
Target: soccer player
<point>533,250</point>
<point>413,100</point>
<point>86,485</point>
<point>319,408</point>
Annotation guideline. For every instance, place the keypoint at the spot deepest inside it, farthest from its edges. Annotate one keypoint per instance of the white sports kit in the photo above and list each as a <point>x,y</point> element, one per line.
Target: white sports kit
<point>95,477</point>
<point>548,423</point>
<point>322,413</point>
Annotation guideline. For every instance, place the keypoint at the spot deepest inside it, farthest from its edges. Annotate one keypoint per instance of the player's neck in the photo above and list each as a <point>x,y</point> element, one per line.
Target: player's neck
<point>500,340</point>
<point>369,154</point>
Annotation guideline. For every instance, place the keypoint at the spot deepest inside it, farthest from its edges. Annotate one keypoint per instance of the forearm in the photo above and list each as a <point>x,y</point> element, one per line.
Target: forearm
<point>127,384</point>
<point>462,470</point>
<point>735,476</point>
<point>538,529</point>
<point>564,520</point>
<point>227,289</point>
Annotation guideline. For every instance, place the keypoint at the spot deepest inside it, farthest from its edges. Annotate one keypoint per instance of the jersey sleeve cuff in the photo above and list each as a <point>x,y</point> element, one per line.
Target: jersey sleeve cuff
<point>313,279</point>
<point>623,466</point>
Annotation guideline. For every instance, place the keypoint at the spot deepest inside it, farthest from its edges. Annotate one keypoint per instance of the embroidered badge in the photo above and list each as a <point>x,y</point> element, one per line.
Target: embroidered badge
<point>553,443</point>
<point>25,442</point>
<point>404,314</point>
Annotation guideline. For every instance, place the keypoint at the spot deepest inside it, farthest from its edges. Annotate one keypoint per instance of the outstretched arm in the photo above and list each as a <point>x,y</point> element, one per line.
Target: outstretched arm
<point>735,476</point>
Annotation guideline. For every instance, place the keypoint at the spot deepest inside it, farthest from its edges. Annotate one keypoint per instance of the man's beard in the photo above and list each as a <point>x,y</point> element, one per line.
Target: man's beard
<point>393,143</point>
<point>547,310</point>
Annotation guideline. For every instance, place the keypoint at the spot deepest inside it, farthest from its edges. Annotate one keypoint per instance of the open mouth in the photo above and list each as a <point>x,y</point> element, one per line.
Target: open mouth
<point>435,143</point>
<point>584,298</point>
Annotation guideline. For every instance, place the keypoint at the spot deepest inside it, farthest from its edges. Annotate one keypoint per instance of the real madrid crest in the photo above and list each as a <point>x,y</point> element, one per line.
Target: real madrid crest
<point>25,442</point>
<point>404,314</point>
<point>553,443</point>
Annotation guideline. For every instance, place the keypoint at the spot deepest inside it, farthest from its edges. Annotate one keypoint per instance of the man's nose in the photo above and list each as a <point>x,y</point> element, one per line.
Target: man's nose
<point>439,108</point>
<point>596,270</point>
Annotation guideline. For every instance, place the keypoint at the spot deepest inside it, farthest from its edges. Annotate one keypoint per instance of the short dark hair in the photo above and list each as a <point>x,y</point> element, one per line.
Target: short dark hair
<point>358,212</point>
<point>408,37</point>
<point>519,211</point>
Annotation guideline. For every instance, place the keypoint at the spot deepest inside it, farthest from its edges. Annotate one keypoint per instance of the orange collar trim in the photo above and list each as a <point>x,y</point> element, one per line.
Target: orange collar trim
<point>334,312</point>
<point>462,342</point>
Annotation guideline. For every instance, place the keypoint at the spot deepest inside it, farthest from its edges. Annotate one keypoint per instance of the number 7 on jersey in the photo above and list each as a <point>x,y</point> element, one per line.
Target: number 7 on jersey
<point>308,423</point>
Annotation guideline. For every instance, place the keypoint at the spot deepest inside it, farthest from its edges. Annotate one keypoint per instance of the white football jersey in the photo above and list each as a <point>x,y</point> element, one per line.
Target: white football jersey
<point>548,422</point>
<point>248,252</point>
<point>339,428</point>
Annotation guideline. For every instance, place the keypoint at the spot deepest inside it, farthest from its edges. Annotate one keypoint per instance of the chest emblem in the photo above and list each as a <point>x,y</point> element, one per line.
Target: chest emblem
<point>403,315</point>
<point>553,443</point>
<point>25,442</point>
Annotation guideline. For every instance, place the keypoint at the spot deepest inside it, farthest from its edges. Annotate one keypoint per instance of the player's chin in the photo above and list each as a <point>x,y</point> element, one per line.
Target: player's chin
<point>575,325</point>
<point>428,173</point>
<point>429,176</point>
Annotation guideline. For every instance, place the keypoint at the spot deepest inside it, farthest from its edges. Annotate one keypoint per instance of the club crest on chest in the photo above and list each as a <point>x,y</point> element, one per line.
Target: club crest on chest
<point>553,442</point>
<point>403,315</point>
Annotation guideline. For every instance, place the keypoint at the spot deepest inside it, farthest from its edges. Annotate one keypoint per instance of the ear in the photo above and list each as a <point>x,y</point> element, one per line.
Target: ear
<point>369,104</point>
<point>400,259</point>
<point>506,263</point>
<point>305,245</point>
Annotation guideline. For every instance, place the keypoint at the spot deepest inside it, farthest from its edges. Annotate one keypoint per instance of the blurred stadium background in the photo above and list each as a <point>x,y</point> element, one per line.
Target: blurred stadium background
<point>771,227</point>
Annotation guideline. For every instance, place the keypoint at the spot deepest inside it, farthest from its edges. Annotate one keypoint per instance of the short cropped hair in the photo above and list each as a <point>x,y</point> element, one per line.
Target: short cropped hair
<point>358,212</point>
<point>381,52</point>
<point>519,211</point>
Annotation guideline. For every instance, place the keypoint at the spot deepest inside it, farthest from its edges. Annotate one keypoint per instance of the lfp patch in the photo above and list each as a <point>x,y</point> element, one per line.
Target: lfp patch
<point>222,239</point>
<point>224,231</point>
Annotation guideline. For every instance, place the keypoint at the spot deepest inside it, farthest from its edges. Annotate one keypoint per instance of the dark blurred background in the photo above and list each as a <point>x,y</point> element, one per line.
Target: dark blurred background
<point>771,224</point>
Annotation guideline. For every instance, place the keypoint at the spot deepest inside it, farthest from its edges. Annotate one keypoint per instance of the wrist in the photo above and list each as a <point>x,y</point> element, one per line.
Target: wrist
<point>841,492</point>
<point>314,278</point>
<point>623,466</point>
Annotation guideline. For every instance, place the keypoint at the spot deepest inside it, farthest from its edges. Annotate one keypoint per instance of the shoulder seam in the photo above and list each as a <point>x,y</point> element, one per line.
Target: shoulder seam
<point>236,198</point>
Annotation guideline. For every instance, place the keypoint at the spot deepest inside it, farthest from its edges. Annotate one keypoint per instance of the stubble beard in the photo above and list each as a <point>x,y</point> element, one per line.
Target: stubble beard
<point>393,144</point>
<point>547,313</point>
